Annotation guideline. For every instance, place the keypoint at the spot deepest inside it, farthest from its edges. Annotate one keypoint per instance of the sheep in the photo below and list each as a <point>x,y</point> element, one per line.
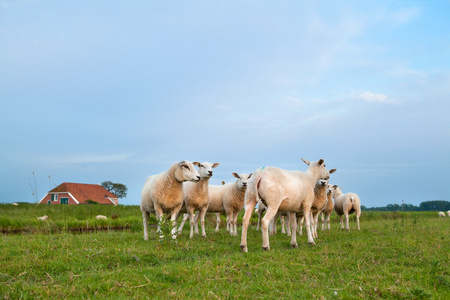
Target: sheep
<point>195,197</point>
<point>326,212</point>
<point>100,217</point>
<point>261,208</point>
<point>229,198</point>
<point>15,204</point>
<point>163,193</point>
<point>448,213</point>
<point>285,191</point>
<point>43,218</point>
<point>441,214</point>
<point>345,204</point>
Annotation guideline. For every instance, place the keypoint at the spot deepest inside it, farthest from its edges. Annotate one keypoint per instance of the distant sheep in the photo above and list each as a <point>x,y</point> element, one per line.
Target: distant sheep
<point>441,214</point>
<point>345,204</point>
<point>100,217</point>
<point>326,212</point>
<point>229,199</point>
<point>43,218</point>
<point>163,193</point>
<point>196,197</point>
<point>285,191</point>
<point>15,204</point>
<point>448,213</point>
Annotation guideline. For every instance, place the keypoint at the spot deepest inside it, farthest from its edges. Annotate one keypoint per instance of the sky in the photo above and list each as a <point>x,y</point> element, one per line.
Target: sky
<point>119,90</point>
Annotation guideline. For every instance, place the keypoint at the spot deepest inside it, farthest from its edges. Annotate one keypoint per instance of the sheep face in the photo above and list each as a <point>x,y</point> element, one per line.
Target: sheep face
<point>242,180</point>
<point>329,189</point>
<point>321,182</point>
<point>187,172</point>
<point>319,168</point>
<point>206,169</point>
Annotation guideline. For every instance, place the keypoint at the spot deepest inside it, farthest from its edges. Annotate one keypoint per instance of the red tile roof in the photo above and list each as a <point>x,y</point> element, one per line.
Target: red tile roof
<point>83,192</point>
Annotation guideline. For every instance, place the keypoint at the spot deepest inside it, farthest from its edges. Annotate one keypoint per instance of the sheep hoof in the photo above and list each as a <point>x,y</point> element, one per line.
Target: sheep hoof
<point>294,245</point>
<point>266,248</point>
<point>244,248</point>
<point>145,238</point>
<point>204,235</point>
<point>312,243</point>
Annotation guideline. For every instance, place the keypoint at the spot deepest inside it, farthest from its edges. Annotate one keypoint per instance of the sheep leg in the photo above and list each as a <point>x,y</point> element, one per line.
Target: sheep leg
<point>307,215</point>
<point>191,220</point>
<point>185,218</point>
<point>173,221</point>
<point>283,229</point>
<point>235,216</point>
<point>347,226</point>
<point>197,216</point>
<point>270,214</point>
<point>293,221</point>
<point>357,219</point>
<point>159,215</point>
<point>249,207</point>
<point>259,220</point>
<point>323,220</point>
<point>218,221</point>
<point>328,221</point>
<point>342,222</point>
<point>300,231</point>
<point>230,222</point>
<point>288,226</point>
<point>145,219</point>
<point>202,218</point>
<point>316,224</point>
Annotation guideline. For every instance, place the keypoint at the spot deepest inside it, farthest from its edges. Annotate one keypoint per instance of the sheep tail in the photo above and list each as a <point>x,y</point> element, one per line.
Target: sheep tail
<point>252,188</point>
<point>352,199</point>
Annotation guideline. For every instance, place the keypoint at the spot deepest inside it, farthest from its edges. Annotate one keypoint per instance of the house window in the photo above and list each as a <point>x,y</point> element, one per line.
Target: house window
<point>64,200</point>
<point>56,198</point>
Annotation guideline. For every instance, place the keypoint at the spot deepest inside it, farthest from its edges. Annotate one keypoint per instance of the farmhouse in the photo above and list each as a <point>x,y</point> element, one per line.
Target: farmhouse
<point>79,193</point>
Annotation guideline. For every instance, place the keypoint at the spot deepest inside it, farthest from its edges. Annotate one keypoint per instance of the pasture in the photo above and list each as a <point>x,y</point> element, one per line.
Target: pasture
<point>395,255</point>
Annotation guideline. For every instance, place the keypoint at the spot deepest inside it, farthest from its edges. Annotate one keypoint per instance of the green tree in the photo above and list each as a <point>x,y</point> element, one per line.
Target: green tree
<point>118,189</point>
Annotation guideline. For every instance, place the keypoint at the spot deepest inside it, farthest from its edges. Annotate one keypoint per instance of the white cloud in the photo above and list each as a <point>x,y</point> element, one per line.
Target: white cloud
<point>373,97</point>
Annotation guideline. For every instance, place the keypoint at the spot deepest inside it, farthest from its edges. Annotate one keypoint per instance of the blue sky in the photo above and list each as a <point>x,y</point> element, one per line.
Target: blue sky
<point>119,90</point>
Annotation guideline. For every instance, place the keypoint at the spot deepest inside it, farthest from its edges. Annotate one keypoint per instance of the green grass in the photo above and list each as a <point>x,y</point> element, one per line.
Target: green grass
<point>395,255</point>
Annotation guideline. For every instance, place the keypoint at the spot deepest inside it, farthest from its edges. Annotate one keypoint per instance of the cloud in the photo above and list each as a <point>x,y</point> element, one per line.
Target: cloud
<point>373,97</point>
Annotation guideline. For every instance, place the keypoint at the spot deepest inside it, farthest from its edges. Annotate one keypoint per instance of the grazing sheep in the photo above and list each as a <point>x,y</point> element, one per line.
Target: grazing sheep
<point>345,204</point>
<point>43,218</point>
<point>15,204</point>
<point>163,193</point>
<point>229,199</point>
<point>100,217</point>
<point>326,212</point>
<point>441,214</point>
<point>196,197</point>
<point>448,213</point>
<point>284,191</point>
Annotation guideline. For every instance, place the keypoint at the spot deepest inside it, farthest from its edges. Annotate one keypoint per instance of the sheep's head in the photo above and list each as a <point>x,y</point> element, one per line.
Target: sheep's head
<point>206,169</point>
<point>242,180</point>
<point>318,168</point>
<point>187,172</point>
<point>329,189</point>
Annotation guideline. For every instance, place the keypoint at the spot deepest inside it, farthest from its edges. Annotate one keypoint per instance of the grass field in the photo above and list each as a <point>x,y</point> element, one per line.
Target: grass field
<point>395,255</point>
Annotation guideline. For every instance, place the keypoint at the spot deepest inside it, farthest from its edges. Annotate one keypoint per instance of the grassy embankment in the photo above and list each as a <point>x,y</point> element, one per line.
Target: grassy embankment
<point>395,255</point>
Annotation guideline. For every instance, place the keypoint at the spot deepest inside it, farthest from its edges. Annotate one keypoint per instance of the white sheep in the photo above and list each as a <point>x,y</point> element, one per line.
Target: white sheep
<point>15,204</point>
<point>326,212</point>
<point>441,214</point>
<point>196,197</point>
<point>163,193</point>
<point>285,191</point>
<point>448,213</point>
<point>345,204</point>
<point>100,217</point>
<point>229,199</point>
<point>43,218</point>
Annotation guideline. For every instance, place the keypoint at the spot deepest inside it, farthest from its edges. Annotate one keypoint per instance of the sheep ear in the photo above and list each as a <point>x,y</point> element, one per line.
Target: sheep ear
<point>332,171</point>
<point>335,186</point>
<point>320,162</point>
<point>182,163</point>
<point>249,176</point>
<point>306,161</point>
<point>223,182</point>
<point>215,165</point>
<point>340,187</point>
<point>236,175</point>
<point>196,163</point>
